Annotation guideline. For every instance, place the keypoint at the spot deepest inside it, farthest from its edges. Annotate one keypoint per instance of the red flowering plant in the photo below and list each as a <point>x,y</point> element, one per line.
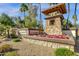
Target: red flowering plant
<point>58,36</point>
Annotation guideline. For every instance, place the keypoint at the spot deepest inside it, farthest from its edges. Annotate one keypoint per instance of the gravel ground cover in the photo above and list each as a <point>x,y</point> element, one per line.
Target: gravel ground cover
<point>25,48</point>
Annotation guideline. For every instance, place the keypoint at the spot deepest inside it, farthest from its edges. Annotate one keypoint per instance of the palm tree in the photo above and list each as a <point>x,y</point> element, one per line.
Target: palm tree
<point>23,8</point>
<point>67,26</point>
<point>30,11</point>
<point>75,19</point>
<point>75,15</point>
<point>40,13</point>
<point>34,11</point>
<point>40,25</point>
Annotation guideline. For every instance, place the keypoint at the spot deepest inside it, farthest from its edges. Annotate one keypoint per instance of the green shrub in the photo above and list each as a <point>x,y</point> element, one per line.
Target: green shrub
<point>5,48</point>
<point>16,40</point>
<point>10,54</point>
<point>64,52</point>
<point>13,35</point>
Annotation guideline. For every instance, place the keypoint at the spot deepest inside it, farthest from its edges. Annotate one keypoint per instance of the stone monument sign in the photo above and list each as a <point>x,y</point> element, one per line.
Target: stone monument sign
<point>54,17</point>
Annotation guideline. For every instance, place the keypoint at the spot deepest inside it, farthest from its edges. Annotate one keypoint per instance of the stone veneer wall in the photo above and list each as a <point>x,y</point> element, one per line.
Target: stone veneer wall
<point>51,44</point>
<point>54,29</point>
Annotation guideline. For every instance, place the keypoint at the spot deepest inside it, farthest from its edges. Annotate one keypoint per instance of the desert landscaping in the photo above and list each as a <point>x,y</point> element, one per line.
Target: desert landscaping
<point>28,36</point>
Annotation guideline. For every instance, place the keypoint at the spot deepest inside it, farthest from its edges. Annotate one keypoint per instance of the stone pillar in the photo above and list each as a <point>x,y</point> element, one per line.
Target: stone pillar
<point>53,25</point>
<point>54,17</point>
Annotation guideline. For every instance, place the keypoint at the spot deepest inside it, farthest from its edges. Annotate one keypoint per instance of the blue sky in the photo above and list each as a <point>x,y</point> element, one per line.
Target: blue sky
<point>12,9</point>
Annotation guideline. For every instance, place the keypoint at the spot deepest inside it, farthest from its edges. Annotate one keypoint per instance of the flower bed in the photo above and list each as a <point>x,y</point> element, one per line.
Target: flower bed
<point>58,36</point>
<point>53,36</point>
<point>43,34</point>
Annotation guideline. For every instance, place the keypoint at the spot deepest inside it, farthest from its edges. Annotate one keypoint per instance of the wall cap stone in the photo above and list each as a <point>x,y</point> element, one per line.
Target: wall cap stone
<point>62,41</point>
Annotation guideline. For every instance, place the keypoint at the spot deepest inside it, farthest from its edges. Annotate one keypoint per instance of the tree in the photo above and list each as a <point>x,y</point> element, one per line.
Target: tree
<point>75,15</point>
<point>40,25</point>
<point>2,30</point>
<point>32,11</point>
<point>7,22</point>
<point>35,8</point>
<point>34,23</point>
<point>75,19</point>
<point>27,22</point>
<point>23,8</point>
<point>30,23</point>
<point>30,20</point>
<point>17,22</point>
<point>67,26</point>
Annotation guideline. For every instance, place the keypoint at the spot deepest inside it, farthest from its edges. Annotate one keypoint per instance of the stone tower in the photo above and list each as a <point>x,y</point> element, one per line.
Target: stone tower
<point>54,17</point>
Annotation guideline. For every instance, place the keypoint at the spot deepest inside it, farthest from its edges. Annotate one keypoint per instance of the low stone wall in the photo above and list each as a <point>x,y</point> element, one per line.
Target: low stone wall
<point>51,44</point>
